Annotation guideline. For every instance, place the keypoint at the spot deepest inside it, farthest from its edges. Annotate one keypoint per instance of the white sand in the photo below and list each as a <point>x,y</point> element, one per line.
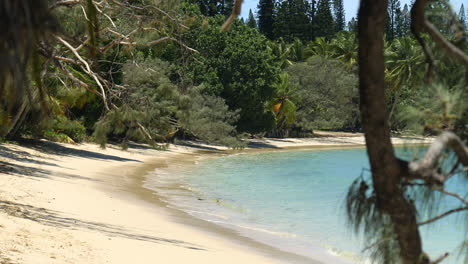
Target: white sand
<point>78,204</point>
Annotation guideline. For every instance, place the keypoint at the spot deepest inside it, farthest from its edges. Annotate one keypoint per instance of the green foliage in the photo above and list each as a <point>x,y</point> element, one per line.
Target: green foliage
<point>283,103</point>
<point>147,108</point>
<point>214,7</point>
<point>208,118</point>
<point>62,129</point>
<point>345,48</point>
<point>440,14</point>
<point>327,96</point>
<point>434,109</point>
<point>239,67</point>
<point>364,216</point>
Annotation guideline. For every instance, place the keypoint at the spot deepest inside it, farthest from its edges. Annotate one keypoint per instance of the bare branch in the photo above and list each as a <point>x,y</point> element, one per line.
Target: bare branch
<point>154,42</point>
<point>440,259</point>
<point>119,41</point>
<point>420,24</point>
<point>377,243</point>
<point>64,3</point>
<point>84,13</point>
<point>451,49</point>
<point>429,56</point>
<point>170,17</point>
<point>87,69</point>
<point>456,195</point>
<point>443,215</point>
<point>426,167</point>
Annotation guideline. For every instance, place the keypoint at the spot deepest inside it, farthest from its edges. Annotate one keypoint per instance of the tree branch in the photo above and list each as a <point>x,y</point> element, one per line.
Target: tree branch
<point>442,215</point>
<point>154,42</point>
<point>235,13</point>
<point>420,24</point>
<point>456,195</point>
<point>87,69</point>
<point>440,259</point>
<point>451,49</point>
<point>64,3</point>
<point>426,168</point>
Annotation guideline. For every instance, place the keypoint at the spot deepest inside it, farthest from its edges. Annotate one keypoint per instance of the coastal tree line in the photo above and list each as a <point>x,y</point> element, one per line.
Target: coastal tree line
<point>135,70</point>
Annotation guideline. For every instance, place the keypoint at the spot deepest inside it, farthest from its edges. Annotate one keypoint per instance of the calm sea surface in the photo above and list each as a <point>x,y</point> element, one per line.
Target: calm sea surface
<point>293,200</point>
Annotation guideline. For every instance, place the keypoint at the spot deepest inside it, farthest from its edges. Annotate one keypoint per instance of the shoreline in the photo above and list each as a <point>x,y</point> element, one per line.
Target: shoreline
<point>63,203</point>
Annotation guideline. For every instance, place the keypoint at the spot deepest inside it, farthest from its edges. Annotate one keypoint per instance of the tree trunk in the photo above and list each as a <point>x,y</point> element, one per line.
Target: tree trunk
<point>386,169</point>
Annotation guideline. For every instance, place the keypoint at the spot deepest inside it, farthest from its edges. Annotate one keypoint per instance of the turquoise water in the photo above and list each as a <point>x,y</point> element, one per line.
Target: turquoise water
<point>293,200</point>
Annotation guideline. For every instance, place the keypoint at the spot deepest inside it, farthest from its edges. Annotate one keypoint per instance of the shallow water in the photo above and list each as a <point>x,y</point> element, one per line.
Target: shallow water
<point>292,200</point>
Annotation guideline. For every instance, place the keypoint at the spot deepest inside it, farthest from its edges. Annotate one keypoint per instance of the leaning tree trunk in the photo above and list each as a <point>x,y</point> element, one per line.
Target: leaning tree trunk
<point>386,169</point>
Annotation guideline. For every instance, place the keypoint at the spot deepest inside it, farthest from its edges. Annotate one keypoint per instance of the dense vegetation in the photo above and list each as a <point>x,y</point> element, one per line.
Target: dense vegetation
<point>154,73</point>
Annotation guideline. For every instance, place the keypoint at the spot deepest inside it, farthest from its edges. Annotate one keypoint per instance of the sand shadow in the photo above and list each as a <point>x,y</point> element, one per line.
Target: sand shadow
<point>33,172</point>
<point>22,156</point>
<point>53,218</point>
<point>58,149</point>
<point>196,146</point>
<point>259,144</point>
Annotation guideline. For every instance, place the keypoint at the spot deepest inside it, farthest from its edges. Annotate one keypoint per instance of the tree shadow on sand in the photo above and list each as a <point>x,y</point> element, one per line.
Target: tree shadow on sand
<point>53,218</point>
<point>58,149</point>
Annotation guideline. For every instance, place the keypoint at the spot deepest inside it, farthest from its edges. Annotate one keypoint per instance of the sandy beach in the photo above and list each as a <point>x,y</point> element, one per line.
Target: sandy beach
<point>62,203</point>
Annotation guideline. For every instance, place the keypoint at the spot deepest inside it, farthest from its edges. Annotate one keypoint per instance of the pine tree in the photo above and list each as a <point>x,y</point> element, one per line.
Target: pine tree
<point>312,12</point>
<point>293,20</point>
<point>407,20</point>
<point>215,7</point>
<point>352,25</point>
<point>399,23</point>
<point>462,17</point>
<point>226,7</point>
<point>266,17</point>
<point>440,14</point>
<point>339,12</point>
<point>325,25</point>
<point>390,30</point>
<point>251,20</point>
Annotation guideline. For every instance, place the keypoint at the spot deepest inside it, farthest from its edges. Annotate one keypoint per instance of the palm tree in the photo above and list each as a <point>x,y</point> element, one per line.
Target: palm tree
<point>405,65</point>
<point>282,104</point>
<point>282,51</point>
<point>299,52</point>
<point>345,48</point>
<point>323,48</point>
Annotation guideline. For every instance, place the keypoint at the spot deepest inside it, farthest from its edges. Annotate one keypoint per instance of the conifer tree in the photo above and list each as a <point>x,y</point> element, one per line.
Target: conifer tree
<point>293,20</point>
<point>352,25</point>
<point>312,12</point>
<point>462,17</point>
<point>339,12</point>
<point>407,20</point>
<point>266,17</point>
<point>325,25</point>
<point>399,23</point>
<point>228,6</point>
<point>251,20</point>
<point>390,29</point>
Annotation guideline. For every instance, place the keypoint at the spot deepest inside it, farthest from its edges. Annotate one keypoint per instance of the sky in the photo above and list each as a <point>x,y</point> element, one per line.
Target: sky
<point>351,6</point>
